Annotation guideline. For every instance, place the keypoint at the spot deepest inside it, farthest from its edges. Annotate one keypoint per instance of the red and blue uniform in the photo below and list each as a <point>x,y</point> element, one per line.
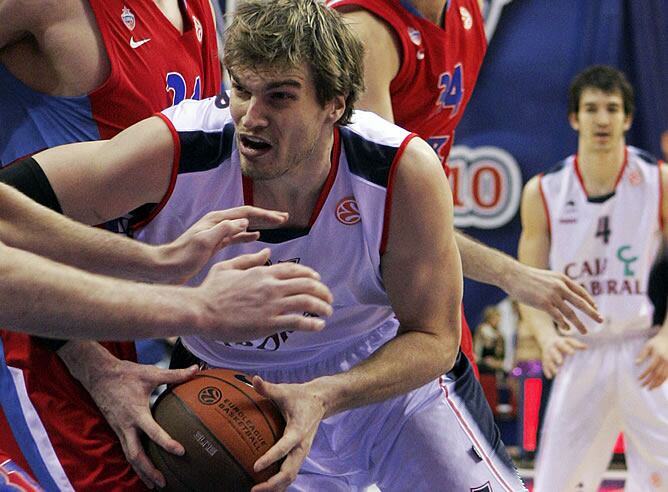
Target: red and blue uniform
<point>53,429</point>
<point>152,64</point>
<point>439,69</point>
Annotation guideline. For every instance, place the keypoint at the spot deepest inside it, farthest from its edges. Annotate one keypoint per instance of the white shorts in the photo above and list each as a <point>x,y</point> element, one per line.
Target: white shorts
<point>439,437</point>
<point>596,395</point>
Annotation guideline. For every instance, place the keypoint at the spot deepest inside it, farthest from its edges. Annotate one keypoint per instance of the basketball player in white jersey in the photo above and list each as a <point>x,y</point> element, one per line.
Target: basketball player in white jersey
<point>599,217</point>
<point>366,399</point>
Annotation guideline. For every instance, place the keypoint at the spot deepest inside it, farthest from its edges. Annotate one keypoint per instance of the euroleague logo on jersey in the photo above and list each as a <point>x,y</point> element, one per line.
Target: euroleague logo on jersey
<point>347,211</point>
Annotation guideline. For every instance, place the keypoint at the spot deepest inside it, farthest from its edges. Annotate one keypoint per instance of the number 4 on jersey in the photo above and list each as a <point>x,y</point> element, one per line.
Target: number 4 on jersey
<point>452,91</point>
<point>603,229</point>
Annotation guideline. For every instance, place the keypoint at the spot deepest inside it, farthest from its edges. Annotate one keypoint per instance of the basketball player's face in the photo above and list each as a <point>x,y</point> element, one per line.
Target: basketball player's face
<point>281,127</point>
<point>600,121</point>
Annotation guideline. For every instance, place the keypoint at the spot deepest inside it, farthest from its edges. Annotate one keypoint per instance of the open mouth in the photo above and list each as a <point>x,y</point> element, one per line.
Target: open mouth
<point>254,143</point>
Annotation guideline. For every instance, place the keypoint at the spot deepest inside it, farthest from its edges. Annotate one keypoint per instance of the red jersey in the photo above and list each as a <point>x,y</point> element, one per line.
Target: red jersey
<point>153,66</point>
<point>439,65</point>
<point>53,428</point>
<point>439,69</point>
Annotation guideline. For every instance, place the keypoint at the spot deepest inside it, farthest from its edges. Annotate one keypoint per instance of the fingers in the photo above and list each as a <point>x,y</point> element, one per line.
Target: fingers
<point>158,435</point>
<point>582,304</point>
<point>299,322</point>
<point>141,464</point>
<point>278,451</point>
<point>656,372</point>
<point>566,313</point>
<point>654,375</point>
<point>245,262</point>
<point>171,376</point>
<point>305,303</point>
<point>258,217</point>
<point>644,353</point>
<point>570,345</point>
<point>286,475</point>
<point>288,269</point>
<point>582,299</point>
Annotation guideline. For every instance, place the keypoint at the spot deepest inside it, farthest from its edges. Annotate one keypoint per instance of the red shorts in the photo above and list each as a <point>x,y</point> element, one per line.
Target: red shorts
<point>51,427</point>
<point>14,478</point>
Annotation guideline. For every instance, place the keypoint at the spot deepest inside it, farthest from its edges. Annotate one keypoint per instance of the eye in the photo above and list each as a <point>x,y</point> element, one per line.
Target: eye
<point>281,96</point>
<point>239,90</point>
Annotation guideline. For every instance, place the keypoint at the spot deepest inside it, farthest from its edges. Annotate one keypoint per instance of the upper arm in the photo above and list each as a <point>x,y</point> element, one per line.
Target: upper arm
<point>534,245</point>
<point>381,60</point>
<point>99,181</point>
<point>24,17</point>
<point>421,266</point>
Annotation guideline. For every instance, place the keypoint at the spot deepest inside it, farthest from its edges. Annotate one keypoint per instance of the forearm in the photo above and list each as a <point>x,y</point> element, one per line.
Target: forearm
<point>45,298</point>
<point>485,264</point>
<point>26,225</point>
<point>408,361</point>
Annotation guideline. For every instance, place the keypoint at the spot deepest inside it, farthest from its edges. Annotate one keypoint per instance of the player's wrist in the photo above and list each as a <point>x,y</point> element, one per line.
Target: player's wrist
<point>330,394</point>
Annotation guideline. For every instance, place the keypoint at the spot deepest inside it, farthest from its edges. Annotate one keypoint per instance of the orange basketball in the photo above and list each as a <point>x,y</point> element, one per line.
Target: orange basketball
<point>224,426</point>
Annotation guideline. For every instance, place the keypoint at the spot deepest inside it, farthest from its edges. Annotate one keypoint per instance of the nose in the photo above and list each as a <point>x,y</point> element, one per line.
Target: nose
<point>255,113</point>
<point>602,117</point>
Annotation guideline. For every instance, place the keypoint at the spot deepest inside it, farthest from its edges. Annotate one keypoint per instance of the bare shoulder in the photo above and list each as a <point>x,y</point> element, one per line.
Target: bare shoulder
<point>364,22</point>
<point>531,191</point>
<point>532,209</point>
<point>420,162</point>
<point>374,32</point>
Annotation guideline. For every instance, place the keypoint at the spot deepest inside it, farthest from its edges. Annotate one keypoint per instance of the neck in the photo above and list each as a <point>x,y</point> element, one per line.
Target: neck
<point>600,168</point>
<point>297,191</point>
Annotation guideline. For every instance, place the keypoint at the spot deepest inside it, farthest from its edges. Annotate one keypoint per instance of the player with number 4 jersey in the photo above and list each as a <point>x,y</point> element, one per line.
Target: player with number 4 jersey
<point>599,217</point>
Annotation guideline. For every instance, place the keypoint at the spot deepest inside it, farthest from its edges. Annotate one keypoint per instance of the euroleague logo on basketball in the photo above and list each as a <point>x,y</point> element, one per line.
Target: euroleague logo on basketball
<point>209,395</point>
<point>347,211</point>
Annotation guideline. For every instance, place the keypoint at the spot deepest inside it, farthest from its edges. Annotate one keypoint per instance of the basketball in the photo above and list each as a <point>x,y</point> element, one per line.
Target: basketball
<point>224,426</point>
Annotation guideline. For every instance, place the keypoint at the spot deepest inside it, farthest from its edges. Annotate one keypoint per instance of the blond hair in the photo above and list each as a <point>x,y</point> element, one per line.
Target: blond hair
<point>268,35</point>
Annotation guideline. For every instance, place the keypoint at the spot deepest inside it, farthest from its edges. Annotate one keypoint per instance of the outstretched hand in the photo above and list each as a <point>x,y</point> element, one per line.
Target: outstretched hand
<point>303,412</point>
<point>187,255</point>
<point>553,293</point>
<point>655,355</point>
<point>245,300</point>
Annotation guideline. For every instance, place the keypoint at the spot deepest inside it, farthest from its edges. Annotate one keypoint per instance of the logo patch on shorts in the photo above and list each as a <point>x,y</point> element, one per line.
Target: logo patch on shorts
<point>483,488</point>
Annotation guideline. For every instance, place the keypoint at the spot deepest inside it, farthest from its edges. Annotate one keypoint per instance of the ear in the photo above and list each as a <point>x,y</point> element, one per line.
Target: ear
<point>337,107</point>
<point>628,120</point>
<point>573,120</point>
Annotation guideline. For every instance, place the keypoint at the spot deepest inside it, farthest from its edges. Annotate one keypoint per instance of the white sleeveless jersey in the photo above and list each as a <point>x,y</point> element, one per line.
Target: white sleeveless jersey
<point>343,243</point>
<point>607,244</point>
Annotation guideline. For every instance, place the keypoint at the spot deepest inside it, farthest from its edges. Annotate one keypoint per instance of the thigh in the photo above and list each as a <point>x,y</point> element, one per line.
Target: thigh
<point>580,427</point>
<point>449,443</point>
